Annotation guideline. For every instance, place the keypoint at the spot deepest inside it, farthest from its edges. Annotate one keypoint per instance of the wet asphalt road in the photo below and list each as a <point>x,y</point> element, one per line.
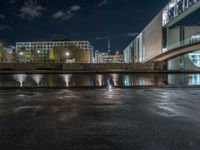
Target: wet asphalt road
<point>124,119</point>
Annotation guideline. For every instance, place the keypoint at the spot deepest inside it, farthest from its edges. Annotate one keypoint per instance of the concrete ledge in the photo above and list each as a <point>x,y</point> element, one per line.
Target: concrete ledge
<point>78,67</point>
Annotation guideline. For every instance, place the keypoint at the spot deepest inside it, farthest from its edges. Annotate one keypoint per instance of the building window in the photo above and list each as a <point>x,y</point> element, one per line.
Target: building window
<point>195,58</point>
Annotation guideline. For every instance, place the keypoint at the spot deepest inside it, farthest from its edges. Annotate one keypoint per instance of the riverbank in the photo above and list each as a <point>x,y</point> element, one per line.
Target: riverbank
<point>98,72</point>
<point>82,67</point>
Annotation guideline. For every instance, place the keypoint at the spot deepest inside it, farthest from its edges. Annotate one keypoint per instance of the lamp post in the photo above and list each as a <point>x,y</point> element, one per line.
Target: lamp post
<point>67,54</point>
<point>21,54</point>
<point>38,55</point>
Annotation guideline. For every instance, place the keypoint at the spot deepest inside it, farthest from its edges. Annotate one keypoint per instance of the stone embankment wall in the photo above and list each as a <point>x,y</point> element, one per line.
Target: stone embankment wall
<point>83,67</point>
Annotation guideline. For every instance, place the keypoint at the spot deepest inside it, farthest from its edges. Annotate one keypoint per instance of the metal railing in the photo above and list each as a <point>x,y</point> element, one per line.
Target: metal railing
<point>175,46</point>
<point>176,8</point>
<point>183,43</point>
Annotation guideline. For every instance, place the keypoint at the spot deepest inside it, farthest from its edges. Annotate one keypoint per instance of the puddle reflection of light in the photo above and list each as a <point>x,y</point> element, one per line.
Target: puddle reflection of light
<point>166,106</point>
<point>20,78</point>
<point>37,78</point>
<point>66,78</point>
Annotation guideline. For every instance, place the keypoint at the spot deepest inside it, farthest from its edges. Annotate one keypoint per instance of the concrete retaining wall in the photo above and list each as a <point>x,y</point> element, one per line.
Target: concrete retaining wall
<point>83,67</point>
<point>30,66</point>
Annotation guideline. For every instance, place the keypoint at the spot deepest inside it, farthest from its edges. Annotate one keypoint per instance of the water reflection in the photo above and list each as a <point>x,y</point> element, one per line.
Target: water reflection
<point>66,78</point>
<point>96,80</point>
<point>115,79</point>
<point>37,78</point>
<point>99,80</point>
<point>21,78</point>
<point>194,79</point>
<point>127,80</point>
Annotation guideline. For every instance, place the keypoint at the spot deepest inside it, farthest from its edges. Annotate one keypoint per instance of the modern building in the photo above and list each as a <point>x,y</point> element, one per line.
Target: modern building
<point>187,61</point>
<point>43,47</point>
<point>101,57</point>
<point>8,54</point>
<point>109,57</point>
<point>128,53</point>
<point>166,38</point>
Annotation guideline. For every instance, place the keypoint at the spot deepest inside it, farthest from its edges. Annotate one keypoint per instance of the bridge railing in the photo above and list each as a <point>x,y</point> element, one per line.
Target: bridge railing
<point>176,8</point>
<point>184,43</point>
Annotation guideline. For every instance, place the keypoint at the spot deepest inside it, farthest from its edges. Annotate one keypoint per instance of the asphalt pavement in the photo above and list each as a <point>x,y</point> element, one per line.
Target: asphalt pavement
<point>100,119</point>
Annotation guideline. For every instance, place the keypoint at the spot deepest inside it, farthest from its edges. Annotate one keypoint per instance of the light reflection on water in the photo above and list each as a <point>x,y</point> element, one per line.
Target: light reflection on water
<point>20,78</point>
<point>66,78</point>
<point>37,78</point>
<point>96,80</point>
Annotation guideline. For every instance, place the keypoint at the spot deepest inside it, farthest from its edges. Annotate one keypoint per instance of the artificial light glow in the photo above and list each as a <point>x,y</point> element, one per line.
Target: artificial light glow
<point>115,79</point>
<point>20,78</point>
<point>109,87</point>
<point>37,78</point>
<point>67,54</point>
<point>99,80</point>
<point>66,78</point>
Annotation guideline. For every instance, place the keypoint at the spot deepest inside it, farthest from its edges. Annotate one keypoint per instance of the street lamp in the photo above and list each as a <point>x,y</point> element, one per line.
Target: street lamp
<point>67,54</point>
<point>21,56</point>
<point>38,56</point>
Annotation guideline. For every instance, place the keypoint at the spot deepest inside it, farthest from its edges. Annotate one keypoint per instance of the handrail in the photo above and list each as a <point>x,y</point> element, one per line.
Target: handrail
<point>183,43</point>
<point>175,46</point>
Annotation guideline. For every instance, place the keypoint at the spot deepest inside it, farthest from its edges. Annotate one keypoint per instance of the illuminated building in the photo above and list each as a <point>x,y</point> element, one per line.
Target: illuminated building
<point>43,48</point>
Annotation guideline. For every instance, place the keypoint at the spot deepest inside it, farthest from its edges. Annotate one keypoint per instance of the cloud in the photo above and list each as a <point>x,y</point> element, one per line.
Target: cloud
<point>117,36</point>
<point>102,3</point>
<point>98,38</point>
<point>4,27</point>
<point>31,10</point>
<point>68,14</point>
<point>63,15</point>
<point>75,8</point>
<point>132,34</point>
<point>2,16</point>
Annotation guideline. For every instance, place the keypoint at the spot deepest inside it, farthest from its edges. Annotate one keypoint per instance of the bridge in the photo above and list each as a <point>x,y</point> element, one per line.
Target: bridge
<point>177,10</point>
<point>161,40</point>
<point>177,49</point>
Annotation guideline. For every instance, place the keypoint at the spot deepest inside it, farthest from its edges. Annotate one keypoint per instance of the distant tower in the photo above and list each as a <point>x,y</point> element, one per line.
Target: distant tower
<point>108,46</point>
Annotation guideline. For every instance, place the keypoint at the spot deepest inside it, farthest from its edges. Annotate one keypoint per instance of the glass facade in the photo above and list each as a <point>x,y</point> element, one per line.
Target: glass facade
<point>195,58</point>
<point>176,8</point>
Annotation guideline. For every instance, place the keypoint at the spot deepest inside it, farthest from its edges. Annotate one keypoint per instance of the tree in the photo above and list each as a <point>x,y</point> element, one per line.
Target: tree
<point>51,55</point>
<point>1,52</point>
<point>25,55</point>
<point>14,57</point>
<point>80,55</point>
<point>59,54</point>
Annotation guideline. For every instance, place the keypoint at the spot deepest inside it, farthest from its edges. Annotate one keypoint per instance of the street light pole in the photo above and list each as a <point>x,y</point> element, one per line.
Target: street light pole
<point>67,54</point>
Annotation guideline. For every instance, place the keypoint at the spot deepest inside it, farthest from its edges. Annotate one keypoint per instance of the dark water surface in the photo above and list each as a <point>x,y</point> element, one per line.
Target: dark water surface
<point>96,80</point>
<point>100,119</point>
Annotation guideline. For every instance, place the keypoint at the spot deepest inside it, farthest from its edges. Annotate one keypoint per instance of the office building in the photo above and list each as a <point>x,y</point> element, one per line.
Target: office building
<point>43,48</point>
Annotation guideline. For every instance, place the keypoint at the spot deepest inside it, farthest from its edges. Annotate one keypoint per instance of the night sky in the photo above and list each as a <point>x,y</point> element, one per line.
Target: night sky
<point>93,20</point>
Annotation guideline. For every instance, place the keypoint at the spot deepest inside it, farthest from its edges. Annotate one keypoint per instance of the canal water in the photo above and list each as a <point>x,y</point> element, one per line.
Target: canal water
<point>97,80</point>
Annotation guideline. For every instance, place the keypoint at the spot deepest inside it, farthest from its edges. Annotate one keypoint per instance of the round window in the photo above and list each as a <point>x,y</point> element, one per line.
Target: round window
<point>195,58</point>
